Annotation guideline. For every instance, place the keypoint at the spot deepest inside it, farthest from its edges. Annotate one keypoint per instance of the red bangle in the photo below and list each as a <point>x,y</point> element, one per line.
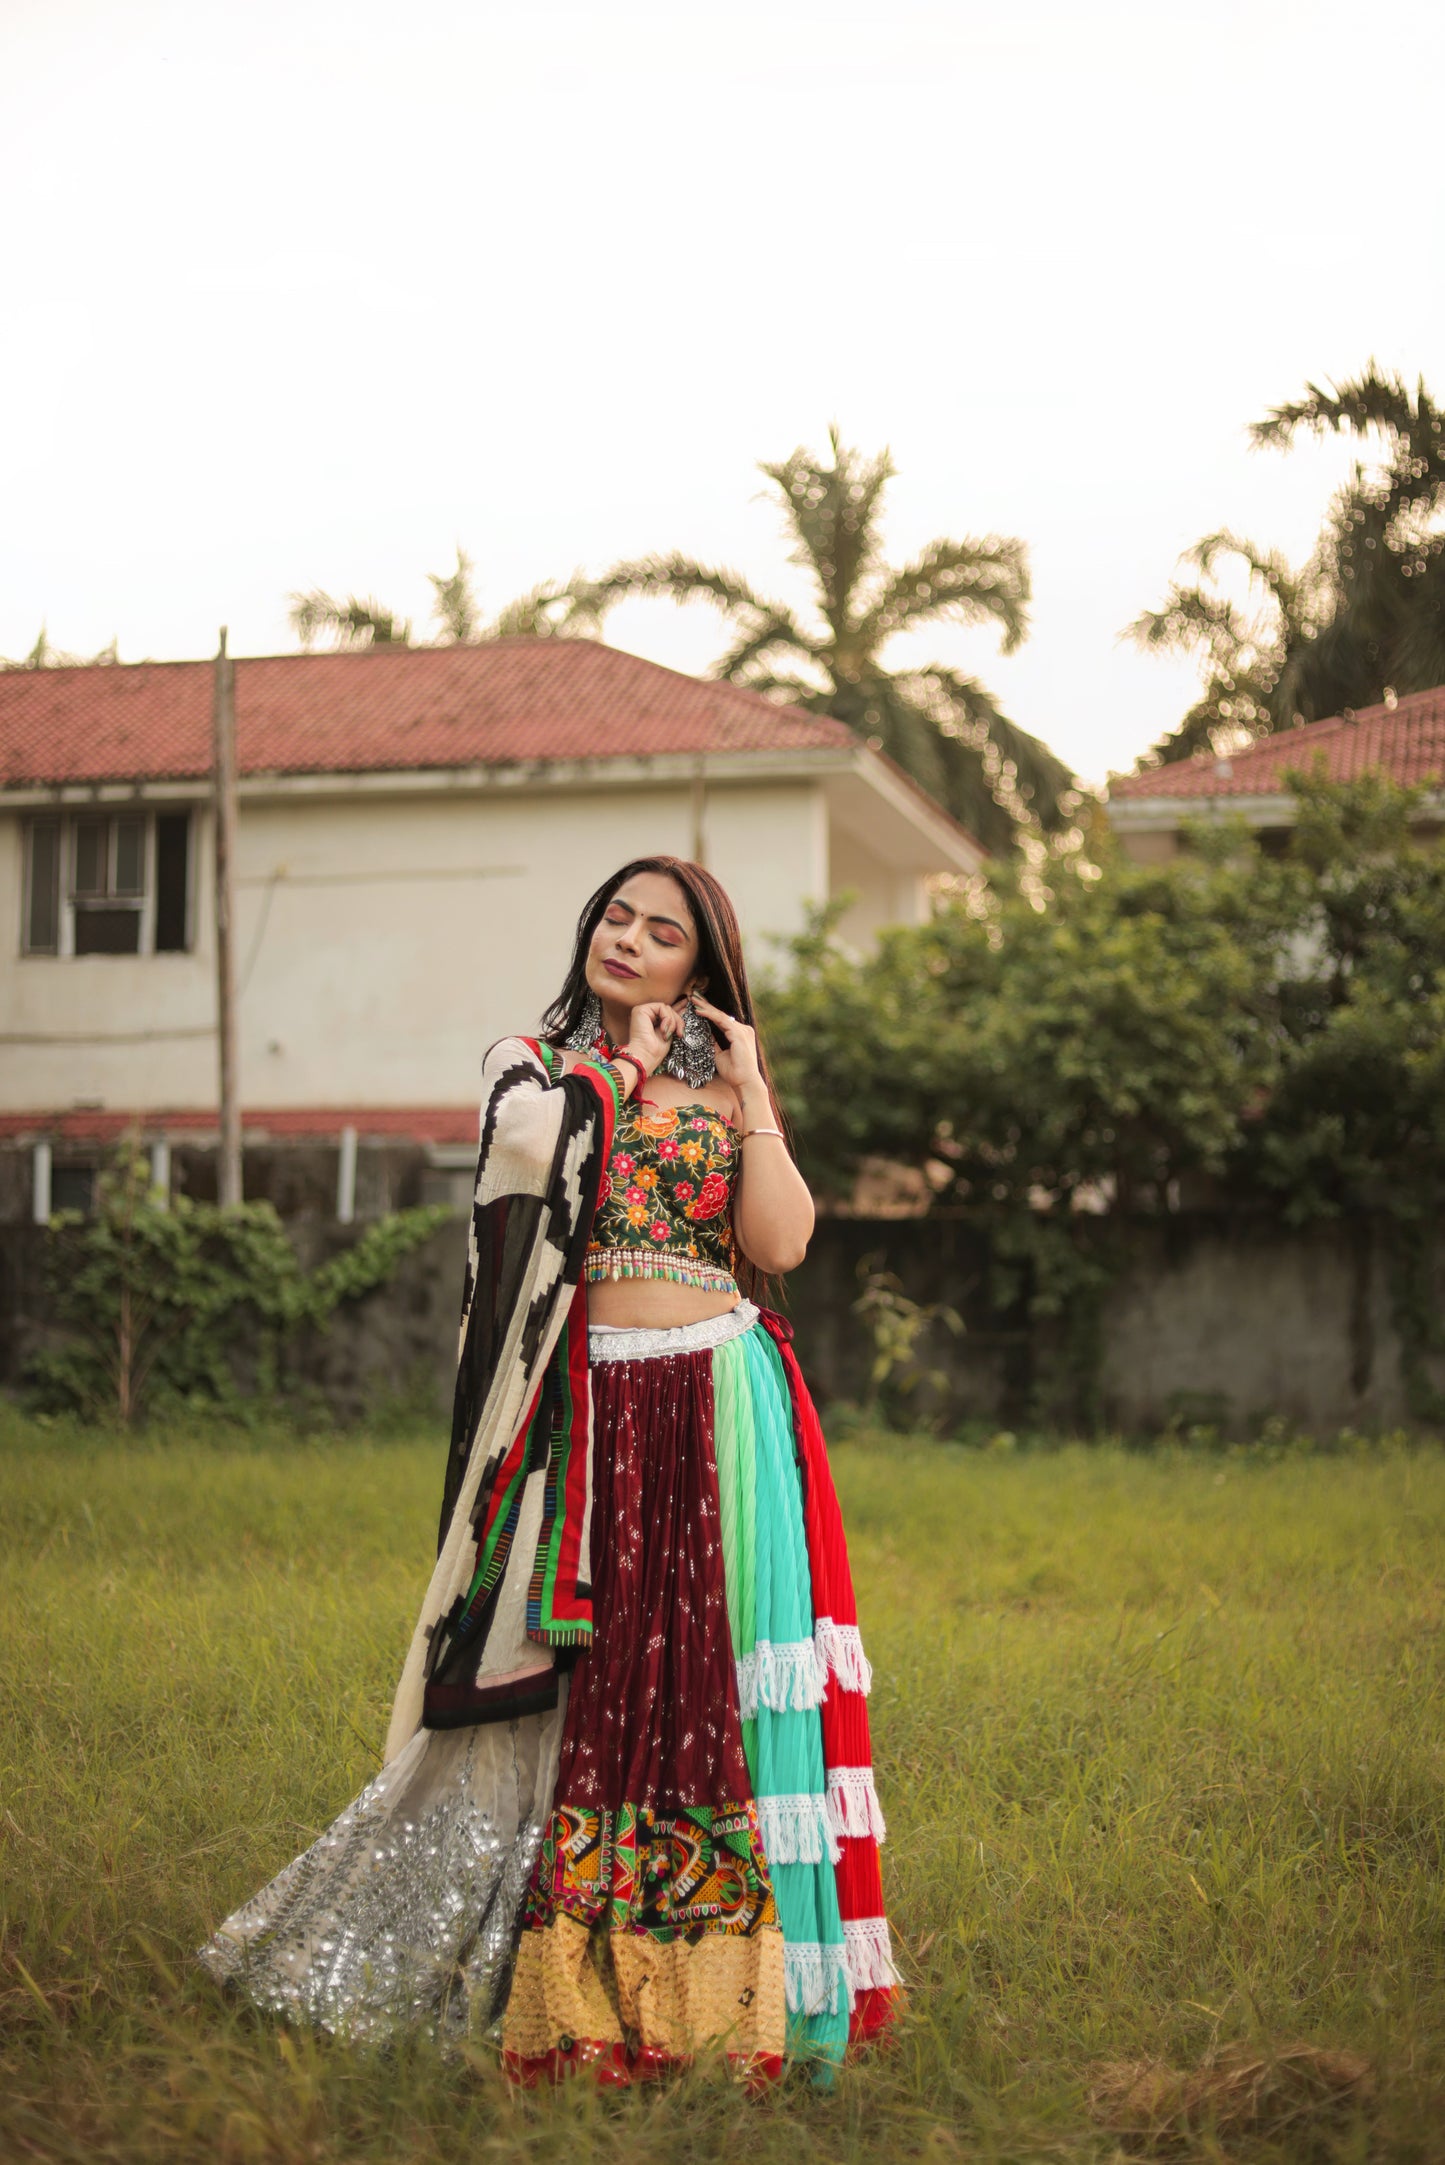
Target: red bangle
<point>633,1061</point>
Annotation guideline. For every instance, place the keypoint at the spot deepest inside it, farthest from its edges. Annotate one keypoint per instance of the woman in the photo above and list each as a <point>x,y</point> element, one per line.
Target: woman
<point>628,1801</point>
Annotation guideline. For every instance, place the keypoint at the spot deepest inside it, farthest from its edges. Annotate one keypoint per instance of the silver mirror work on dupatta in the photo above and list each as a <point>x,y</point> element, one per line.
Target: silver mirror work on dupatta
<point>690,1061</point>
<point>404,1913</point>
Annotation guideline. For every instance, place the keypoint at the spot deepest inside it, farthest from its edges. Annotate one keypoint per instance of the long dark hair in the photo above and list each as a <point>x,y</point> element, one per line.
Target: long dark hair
<point>719,952</point>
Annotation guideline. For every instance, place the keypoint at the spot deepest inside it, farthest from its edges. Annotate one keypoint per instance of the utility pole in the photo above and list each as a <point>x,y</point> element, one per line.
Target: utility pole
<point>223,722</point>
<point>699,806</point>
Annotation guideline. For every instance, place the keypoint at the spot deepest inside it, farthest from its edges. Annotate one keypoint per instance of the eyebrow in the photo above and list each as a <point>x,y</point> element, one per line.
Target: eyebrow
<point>653,918</point>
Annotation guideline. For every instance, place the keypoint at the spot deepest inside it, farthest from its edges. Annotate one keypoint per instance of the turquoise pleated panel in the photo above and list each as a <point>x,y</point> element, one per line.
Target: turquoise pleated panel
<point>765,1556</point>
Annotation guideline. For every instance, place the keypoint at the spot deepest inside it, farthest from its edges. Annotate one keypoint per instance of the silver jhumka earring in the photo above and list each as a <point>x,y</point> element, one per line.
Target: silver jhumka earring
<point>588,1028</point>
<point>691,1058</point>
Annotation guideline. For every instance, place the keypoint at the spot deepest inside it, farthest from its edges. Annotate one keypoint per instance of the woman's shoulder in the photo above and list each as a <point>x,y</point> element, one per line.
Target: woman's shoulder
<point>721,1097</point>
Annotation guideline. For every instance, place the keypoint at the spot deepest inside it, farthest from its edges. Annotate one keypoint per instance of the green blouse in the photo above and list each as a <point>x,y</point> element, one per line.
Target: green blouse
<point>665,1206</point>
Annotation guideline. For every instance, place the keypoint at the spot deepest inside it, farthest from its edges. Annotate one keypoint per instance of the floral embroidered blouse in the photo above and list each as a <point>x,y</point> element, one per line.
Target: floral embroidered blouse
<point>665,1206</point>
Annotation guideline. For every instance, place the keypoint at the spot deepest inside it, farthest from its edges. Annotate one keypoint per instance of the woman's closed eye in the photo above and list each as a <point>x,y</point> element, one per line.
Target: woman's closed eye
<point>664,935</point>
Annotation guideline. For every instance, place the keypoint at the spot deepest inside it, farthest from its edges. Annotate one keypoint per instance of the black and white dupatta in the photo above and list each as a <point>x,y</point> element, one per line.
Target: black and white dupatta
<point>404,1911</point>
<point>512,1577</point>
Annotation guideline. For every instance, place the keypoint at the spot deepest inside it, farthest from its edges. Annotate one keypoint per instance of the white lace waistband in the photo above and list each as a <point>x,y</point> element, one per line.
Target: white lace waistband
<point>617,1342</point>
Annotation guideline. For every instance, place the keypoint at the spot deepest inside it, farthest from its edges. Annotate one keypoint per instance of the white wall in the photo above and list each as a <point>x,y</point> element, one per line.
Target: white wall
<point>382,943</point>
<point>1149,845</point>
<point>769,847</point>
<point>884,894</point>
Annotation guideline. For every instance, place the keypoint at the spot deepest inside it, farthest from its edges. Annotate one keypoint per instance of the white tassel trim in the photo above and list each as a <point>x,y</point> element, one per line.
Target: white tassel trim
<point>869,1947</point>
<point>816,1977</point>
<point>781,1674</point>
<point>797,1830</point>
<point>840,1650</point>
<point>853,1806</point>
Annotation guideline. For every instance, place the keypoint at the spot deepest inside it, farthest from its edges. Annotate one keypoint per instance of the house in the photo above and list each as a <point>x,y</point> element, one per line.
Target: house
<point>417,831</point>
<point>1404,740</point>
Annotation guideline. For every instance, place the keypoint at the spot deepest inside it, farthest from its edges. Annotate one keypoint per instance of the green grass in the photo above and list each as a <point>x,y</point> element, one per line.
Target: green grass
<point>1159,1737</point>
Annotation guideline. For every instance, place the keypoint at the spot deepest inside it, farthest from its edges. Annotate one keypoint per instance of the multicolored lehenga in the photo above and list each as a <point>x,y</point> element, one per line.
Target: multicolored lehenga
<point>728,1856</point>
<point>690,1860</point>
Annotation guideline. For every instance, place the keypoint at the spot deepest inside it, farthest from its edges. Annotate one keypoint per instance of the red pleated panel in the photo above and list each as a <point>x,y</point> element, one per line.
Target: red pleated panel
<point>846,1738</point>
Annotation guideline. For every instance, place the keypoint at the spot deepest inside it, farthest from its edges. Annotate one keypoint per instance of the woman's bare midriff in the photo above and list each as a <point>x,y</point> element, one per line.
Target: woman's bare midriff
<point>653,1304</point>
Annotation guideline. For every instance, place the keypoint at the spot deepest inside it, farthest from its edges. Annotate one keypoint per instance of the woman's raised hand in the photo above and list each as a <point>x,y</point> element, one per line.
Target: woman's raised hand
<point>651,1031</point>
<point>737,1057</point>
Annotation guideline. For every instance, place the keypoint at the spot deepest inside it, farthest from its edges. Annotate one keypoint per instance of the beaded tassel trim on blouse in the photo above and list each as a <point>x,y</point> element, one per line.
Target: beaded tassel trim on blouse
<point>603,1264</point>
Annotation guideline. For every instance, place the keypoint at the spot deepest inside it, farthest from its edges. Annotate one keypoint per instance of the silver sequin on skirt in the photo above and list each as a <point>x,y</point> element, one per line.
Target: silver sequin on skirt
<point>404,1912</point>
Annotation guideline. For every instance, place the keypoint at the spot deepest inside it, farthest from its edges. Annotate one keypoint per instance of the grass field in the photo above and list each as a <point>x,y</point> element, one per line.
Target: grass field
<point>1159,1737</point>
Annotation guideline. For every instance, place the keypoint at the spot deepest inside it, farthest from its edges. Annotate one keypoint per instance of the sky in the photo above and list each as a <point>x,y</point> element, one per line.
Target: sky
<point>308,294</point>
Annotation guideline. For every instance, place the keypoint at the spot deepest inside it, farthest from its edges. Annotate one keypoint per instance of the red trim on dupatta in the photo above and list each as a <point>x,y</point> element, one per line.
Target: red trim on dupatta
<point>569,1606</point>
<point>569,1610</point>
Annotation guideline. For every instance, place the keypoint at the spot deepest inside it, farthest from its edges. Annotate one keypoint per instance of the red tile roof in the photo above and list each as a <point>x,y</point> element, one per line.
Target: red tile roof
<point>1405,742</point>
<point>407,1123</point>
<point>383,709</point>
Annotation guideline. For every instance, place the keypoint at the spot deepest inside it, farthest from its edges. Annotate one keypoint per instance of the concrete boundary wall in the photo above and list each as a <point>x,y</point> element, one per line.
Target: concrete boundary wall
<point>1209,1320</point>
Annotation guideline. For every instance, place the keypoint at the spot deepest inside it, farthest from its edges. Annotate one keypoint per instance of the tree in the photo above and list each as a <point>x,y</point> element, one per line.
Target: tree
<point>1261,1033</point>
<point>1110,1043</point>
<point>349,623</point>
<point>1274,1022</point>
<point>43,655</point>
<point>1364,617</point>
<point>942,726</point>
<point>547,611</point>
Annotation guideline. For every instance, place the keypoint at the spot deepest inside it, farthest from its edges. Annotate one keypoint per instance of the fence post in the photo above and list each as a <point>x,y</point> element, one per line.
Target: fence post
<point>40,1184</point>
<point>346,1178</point>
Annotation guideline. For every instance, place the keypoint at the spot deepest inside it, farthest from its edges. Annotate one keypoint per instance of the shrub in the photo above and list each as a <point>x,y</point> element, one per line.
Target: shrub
<point>1262,1030</point>
<point>162,1303</point>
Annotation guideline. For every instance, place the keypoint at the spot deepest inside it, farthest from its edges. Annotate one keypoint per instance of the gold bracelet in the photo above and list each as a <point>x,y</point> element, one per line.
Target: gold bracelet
<point>761,1131</point>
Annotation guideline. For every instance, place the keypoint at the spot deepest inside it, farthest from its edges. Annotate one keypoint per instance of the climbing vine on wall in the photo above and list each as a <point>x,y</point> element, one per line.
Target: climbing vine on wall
<point>160,1304</point>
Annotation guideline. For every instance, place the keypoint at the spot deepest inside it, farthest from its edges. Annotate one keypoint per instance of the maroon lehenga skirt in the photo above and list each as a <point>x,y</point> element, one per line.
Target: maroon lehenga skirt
<point>687,1892</point>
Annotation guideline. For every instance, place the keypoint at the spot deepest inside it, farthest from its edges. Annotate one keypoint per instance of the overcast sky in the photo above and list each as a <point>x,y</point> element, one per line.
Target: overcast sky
<point>306,293</point>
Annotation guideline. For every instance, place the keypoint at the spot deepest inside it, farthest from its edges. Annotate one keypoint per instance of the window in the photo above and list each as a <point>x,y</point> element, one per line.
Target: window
<point>42,887</point>
<point>108,883</point>
<point>108,889</point>
<point>72,1187</point>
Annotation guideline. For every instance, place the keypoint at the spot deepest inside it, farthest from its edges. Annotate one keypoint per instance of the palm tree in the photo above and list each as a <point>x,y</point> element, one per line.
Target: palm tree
<point>46,655</point>
<point>1246,654</point>
<point>943,727</point>
<point>350,623</point>
<point>547,611</point>
<point>1365,616</point>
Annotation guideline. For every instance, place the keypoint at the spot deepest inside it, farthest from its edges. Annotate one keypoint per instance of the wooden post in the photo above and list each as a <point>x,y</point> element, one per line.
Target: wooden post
<point>223,718</point>
<point>699,806</point>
